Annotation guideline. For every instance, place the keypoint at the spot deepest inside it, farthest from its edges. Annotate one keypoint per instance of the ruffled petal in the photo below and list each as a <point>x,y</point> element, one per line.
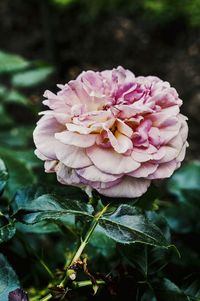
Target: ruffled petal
<point>144,170</point>
<point>107,160</point>
<point>164,170</point>
<point>72,156</point>
<point>129,188</point>
<point>93,174</point>
<point>43,136</point>
<point>76,139</point>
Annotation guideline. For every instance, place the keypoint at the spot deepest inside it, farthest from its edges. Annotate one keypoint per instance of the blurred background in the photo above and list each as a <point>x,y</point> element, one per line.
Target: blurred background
<point>45,42</point>
<point>57,39</point>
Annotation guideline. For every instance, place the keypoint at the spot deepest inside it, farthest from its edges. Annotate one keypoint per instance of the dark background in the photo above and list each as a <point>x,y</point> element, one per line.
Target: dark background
<point>149,37</point>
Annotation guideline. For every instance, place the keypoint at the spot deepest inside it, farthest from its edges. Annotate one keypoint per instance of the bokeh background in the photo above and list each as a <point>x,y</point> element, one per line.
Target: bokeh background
<point>45,42</point>
<point>150,37</point>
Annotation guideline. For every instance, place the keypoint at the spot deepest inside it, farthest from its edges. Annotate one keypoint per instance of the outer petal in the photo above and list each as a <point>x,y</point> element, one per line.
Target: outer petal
<point>50,166</point>
<point>40,156</point>
<point>76,139</point>
<point>164,170</point>
<point>72,156</point>
<point>43,136</point>
<point>129,187</point>
<point>92,173</point>
<point>107,160</point>
<point>66,175</point>
<point>144,170</point>
<point>181,154</point>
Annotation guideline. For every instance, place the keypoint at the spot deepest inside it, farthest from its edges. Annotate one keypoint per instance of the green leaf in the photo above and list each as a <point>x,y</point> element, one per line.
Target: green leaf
<point>5,119</point>
<point>17,137</point>
<point>12,96</point>
<point>165,290</point>
<point>39,228</point>
<point>192,288</point>
<point>7,229</point>
<point>32,77</point>
<point>16,97</point>
<point>20,173</point>
<point>8,278</point>
<point>182,218</point>
<point>148,259</point>
<point>101,244</point>
<point>185,184</point>
<point>33,207</point>
<point>10,63</point>
<point>3,175</point>
<point>128,225</point>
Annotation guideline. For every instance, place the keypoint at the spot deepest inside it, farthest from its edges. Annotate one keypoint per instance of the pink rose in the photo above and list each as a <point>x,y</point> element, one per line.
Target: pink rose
<point>112,131</point>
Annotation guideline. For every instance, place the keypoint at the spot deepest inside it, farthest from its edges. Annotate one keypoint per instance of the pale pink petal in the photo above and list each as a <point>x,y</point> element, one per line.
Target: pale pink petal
<point>107,160</point>
<point>119,142</point>
<point>164,170</point>
<point>159,154</point>
<point>129,187</point>
<point>76,139</point>
<point>170,154</point>
<point>124,128</point>
<point>154,136</point>
<point>72,156</point>
<point>140,156</point>
<point>50,166</point>
<point>94,174</point>
<point>40,155</point>
<point>60,117</point>
<point>66,175</point>
<point>181,154</point>
<point>144,170</point>
<point>43,136</point>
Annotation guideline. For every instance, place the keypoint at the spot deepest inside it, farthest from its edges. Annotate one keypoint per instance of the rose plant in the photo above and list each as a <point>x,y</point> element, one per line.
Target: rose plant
<point>107,135</point>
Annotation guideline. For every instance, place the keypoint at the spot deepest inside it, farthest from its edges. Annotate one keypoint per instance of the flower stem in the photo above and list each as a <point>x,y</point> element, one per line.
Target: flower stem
<point>77,256</point>
<point>86,283</point>
<point>46,298</point>
<point>84,243</point>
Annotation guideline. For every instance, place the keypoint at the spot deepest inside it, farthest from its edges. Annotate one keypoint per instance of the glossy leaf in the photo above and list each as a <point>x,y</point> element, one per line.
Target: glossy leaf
<point>101,244</point>
<point>10,62</point>
<point>32,77</point>
<point>185,184</point>
<point>166,290</point>
<point>20,173</point>
<point>148,260</point>
<point>192,287</point>
<point>3,175</point>
<point>8,278</point>
<point>33,207</point>
<point>128,225</point>
<point>7,231</point>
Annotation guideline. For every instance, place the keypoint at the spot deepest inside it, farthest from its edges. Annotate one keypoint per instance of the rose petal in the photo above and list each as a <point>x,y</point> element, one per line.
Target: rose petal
<point>43,136</point>
<point>72,156</point>
<point>93,174</point>
<point>129,187</point>
<point>144,170</point>
<point>75,139</point>
<point>109,161</point>
<point>164,170</point>
<point>119,142</point>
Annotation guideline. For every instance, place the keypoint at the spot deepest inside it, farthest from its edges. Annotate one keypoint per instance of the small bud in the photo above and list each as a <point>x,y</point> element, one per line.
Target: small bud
<point>71,274</point>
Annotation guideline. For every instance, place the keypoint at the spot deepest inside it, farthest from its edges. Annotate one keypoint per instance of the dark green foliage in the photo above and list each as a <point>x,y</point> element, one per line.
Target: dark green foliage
<point>8,278</point>
<point>133,248</point>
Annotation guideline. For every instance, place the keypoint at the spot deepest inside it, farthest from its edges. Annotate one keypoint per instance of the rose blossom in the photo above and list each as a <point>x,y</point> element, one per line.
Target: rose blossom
<point>112,131</point>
